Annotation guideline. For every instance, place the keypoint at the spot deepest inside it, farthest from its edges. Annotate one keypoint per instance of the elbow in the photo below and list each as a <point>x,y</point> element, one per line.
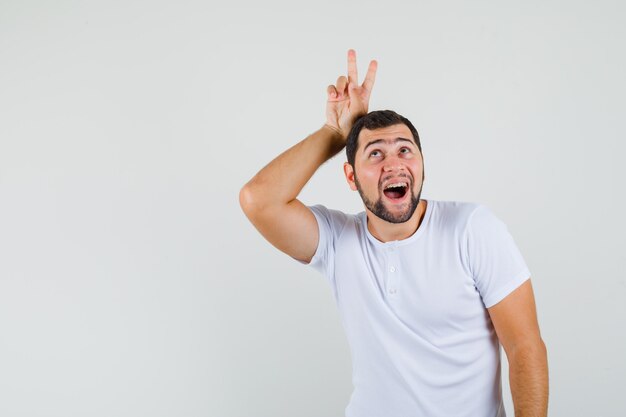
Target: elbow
<point>543,351</point>
<point>250,201</point>
<point>535,349</point>
<point>246,198</point>
<point>540,347</point>
<point>540,351</point>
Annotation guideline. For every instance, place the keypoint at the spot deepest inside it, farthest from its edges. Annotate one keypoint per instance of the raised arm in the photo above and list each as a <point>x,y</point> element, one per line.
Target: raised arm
<point>269,198</point>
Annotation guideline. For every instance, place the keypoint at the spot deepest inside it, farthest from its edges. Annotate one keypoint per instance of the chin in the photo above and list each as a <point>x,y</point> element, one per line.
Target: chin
<point>398,219</point>
<point>393,216</point>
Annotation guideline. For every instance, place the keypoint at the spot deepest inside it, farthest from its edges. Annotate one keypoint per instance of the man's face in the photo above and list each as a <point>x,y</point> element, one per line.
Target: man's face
<point>388,172</point>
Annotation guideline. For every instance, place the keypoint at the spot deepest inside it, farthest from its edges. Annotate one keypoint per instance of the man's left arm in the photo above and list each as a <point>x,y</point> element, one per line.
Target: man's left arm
<point>515,321</point>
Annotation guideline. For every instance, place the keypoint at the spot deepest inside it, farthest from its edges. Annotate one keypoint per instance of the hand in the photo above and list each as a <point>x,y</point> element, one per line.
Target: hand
<point>347,100</point>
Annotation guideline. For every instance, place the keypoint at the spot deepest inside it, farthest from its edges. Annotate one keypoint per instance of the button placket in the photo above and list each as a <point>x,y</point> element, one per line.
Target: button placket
<point>392,271</point>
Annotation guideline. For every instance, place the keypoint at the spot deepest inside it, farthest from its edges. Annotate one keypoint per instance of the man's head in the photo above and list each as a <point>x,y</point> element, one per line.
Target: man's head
<point>376,120</point>
<point>385,165</point>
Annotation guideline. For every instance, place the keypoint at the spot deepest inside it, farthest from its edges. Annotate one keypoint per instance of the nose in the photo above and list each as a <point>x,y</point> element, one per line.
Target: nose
<point>393,163</point>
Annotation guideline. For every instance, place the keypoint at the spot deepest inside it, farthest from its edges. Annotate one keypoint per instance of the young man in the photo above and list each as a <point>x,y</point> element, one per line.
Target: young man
<point>427,290</point>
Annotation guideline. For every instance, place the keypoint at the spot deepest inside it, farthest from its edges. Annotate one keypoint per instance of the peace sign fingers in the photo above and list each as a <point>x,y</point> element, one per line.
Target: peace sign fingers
<point>348,100</point>
<point>370,77</point>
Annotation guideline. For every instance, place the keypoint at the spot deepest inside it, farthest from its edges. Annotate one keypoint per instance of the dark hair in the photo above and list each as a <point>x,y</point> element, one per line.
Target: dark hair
<point>376,120</point>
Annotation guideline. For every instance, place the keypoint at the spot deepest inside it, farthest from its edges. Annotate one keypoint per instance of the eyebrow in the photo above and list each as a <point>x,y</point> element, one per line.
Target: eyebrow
<point>396,140</point>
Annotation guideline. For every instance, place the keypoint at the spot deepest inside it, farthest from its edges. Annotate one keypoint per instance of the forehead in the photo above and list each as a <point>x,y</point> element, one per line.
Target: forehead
<point>385,133</point>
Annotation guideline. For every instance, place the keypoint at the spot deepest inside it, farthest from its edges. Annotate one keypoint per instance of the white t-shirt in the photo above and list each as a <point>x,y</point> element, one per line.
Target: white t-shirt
<point>414,310</point>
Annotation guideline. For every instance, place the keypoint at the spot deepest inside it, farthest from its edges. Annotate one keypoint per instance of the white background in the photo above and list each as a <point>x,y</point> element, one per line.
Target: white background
<point>131,284</point>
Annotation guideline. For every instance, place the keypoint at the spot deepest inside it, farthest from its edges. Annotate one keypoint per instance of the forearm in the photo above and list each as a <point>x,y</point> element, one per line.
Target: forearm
<point>280,181</point>
<point>528,378</point>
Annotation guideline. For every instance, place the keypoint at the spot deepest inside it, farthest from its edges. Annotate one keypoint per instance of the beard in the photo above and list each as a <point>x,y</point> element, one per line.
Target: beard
<point>379,209</point>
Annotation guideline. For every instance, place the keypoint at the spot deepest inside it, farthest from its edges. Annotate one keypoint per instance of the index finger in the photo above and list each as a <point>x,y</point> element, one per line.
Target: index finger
<point>352,76</point>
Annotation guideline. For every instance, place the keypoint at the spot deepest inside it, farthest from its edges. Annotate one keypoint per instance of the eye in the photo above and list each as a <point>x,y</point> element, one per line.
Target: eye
<point>405,150</point>
<point>375,154</point>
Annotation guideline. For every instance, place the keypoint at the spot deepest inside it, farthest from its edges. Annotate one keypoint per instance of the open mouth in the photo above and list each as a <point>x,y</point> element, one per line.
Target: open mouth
<point>396,191</point>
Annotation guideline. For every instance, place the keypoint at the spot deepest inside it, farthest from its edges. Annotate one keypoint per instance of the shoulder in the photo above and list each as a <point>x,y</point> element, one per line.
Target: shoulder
<point>455,214</point>
<point>335,215</point>
<point>456,208</point>
<point>333,219</point>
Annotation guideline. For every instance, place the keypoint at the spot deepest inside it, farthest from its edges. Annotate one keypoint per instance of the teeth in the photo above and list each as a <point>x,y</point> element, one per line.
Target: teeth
<point>396,185</point>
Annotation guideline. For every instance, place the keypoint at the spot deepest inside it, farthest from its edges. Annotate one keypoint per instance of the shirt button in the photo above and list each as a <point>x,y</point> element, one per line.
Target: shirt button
<point>392,291</point>
<point>392,269</point>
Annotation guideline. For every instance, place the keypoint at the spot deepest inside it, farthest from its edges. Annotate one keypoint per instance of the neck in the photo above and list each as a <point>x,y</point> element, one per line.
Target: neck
<point>387,232</point>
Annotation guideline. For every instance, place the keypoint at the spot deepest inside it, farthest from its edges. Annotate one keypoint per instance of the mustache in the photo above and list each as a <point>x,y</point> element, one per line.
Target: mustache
<point>388,177</point>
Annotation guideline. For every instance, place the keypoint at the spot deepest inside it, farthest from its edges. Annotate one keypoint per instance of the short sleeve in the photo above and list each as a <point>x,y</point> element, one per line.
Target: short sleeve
<point>495,261</point>
<point>324,225</point>
<point>331,224</point>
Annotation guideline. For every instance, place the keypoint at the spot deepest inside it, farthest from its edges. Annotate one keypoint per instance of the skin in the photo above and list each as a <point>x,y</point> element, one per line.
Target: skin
<point>388,155</point>
<point>270,201</point>
<point>515,321</point>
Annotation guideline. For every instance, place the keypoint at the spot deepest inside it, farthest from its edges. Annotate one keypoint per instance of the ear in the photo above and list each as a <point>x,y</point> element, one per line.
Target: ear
<point>348,170</point>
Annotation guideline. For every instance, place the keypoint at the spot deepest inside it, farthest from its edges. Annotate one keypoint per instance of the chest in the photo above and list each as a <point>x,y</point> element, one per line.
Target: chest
<point>424,284</point>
